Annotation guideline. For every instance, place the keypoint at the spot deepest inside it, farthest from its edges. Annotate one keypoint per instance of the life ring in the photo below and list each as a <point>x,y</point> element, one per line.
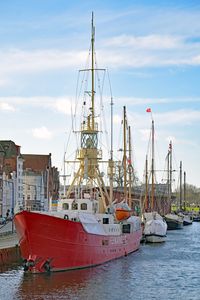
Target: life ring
<point>66,217</point>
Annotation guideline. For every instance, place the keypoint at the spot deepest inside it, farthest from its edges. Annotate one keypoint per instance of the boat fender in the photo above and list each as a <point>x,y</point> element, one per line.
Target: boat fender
<point>46,266</point>
<point>66,217</point>
<point>27,264</point>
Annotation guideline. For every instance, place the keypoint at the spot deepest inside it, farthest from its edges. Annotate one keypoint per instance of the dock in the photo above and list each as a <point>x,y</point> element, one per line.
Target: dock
<point>9,249</point>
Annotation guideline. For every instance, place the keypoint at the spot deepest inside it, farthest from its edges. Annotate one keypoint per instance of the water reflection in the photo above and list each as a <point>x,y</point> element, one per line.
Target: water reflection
<point>60,285</point>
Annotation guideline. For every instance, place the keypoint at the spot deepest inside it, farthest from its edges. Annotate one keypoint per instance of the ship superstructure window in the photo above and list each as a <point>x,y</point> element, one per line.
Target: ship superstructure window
<point>89,140</point>
<point>126,228</point>
<point>105,220</point>
<point>74,205</point>
<point>65,206</point>
<point>83,206</point>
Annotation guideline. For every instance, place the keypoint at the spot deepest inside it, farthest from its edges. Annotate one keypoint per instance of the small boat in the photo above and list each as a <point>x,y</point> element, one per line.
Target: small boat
<point>187,219</point>
<point>196,218</point>
<point>122,214</point>
<point>174,221</point>
<point>155,228</point>
<point>122,211</point>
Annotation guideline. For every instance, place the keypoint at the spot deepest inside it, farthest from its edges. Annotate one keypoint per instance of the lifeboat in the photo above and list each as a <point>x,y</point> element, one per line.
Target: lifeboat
<point>122,214</point>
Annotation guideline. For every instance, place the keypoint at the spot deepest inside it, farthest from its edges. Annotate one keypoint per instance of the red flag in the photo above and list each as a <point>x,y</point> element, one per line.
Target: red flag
<point>148,110</point>
<point>128,161</point>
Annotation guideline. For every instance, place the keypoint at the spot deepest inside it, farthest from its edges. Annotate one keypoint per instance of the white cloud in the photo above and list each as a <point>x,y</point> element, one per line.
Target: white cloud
<point>182,116</point>
<point>39,60</point>
<point>6,106</point>
<point>146,42</point>
<point>121,51</point>
<point>60,104</point>
<point>42,133</point>
<point>117,119</point>
<point>64,105</point>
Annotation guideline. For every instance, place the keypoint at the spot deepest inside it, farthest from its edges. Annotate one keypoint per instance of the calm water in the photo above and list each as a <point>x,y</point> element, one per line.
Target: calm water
<point>167,271</point>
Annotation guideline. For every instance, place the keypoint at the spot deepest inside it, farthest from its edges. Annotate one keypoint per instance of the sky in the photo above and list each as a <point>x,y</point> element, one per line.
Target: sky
<point>151,49</point>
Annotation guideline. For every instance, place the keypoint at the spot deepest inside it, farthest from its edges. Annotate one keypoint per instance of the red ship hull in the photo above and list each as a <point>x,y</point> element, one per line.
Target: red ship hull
<point>49,243</point>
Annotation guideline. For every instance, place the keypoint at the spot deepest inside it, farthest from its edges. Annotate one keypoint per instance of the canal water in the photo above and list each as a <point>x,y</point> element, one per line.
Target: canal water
<point>166,271</point>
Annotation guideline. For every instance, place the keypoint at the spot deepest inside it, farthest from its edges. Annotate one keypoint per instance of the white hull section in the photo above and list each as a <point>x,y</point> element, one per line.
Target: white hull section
<point>155,239</point>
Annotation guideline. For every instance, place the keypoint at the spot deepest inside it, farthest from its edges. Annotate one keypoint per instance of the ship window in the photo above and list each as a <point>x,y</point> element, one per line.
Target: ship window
<point>126,228</point>
<point>74,205</point>
<point>105,221</point>
<point>83,206</point>
<point>65,206</point>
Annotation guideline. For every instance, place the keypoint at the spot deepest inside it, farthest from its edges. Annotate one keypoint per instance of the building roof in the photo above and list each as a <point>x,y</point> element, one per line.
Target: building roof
<point>37,162</point>
<point>9,149</point>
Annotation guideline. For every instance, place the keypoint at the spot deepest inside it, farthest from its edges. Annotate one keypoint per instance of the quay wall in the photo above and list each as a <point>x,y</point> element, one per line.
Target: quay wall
<point>9,255</point>
<point>9,248</point>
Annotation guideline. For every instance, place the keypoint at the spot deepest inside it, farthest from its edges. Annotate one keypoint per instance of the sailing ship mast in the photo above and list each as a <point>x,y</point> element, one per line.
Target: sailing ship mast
<point>184,190</point>
<point>130,169</point>
<point>124,156</point>
<point>89,155</point>
<point>180,203</point>
<point>169,173</point>
<point>152,168</point>
<point>146,185</point>
<point>111,162</point>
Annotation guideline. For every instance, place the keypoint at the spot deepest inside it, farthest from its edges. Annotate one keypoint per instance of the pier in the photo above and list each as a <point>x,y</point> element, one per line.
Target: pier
<point>9,249</point>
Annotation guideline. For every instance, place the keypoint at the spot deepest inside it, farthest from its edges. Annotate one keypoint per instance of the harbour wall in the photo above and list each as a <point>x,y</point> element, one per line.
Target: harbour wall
<point>9,255</point>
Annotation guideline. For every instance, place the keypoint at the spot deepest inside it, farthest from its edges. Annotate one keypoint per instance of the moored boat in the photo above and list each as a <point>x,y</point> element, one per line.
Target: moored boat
<point>122,214</point>
<point>174,221</point>
<point>187,219</point>
<point>83,232</point>
<point>196,218</point>
<point>155,228</point>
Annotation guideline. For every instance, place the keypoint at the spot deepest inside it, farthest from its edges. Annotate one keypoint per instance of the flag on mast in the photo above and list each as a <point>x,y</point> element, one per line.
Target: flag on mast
<point>148,109</point>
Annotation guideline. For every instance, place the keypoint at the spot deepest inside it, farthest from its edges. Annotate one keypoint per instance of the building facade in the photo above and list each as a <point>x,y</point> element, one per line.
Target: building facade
<point>27,181</point>
<point>11,177</point>
<point>41,182</point>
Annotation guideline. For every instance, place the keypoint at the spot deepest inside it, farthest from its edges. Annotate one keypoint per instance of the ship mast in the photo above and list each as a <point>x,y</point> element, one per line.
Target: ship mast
<point>111,162</point>
<point>146,185</point>
<point>169,173</point>
<point>152,169</point>
<point>129,167</point>
<point>184,190</point>
<point>180,205</point>
<point>89,155</point>
<point>124,156</point>
<point>92,70</point>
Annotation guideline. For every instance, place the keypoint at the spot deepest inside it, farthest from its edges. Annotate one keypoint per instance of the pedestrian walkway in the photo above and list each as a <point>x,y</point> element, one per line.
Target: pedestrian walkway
<point>8,241</point>
<point>7,228</point>
<point>8,236</point>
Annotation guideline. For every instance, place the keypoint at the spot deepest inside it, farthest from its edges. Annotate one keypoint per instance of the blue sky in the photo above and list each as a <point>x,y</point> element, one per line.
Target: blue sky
<point>152,52</point>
